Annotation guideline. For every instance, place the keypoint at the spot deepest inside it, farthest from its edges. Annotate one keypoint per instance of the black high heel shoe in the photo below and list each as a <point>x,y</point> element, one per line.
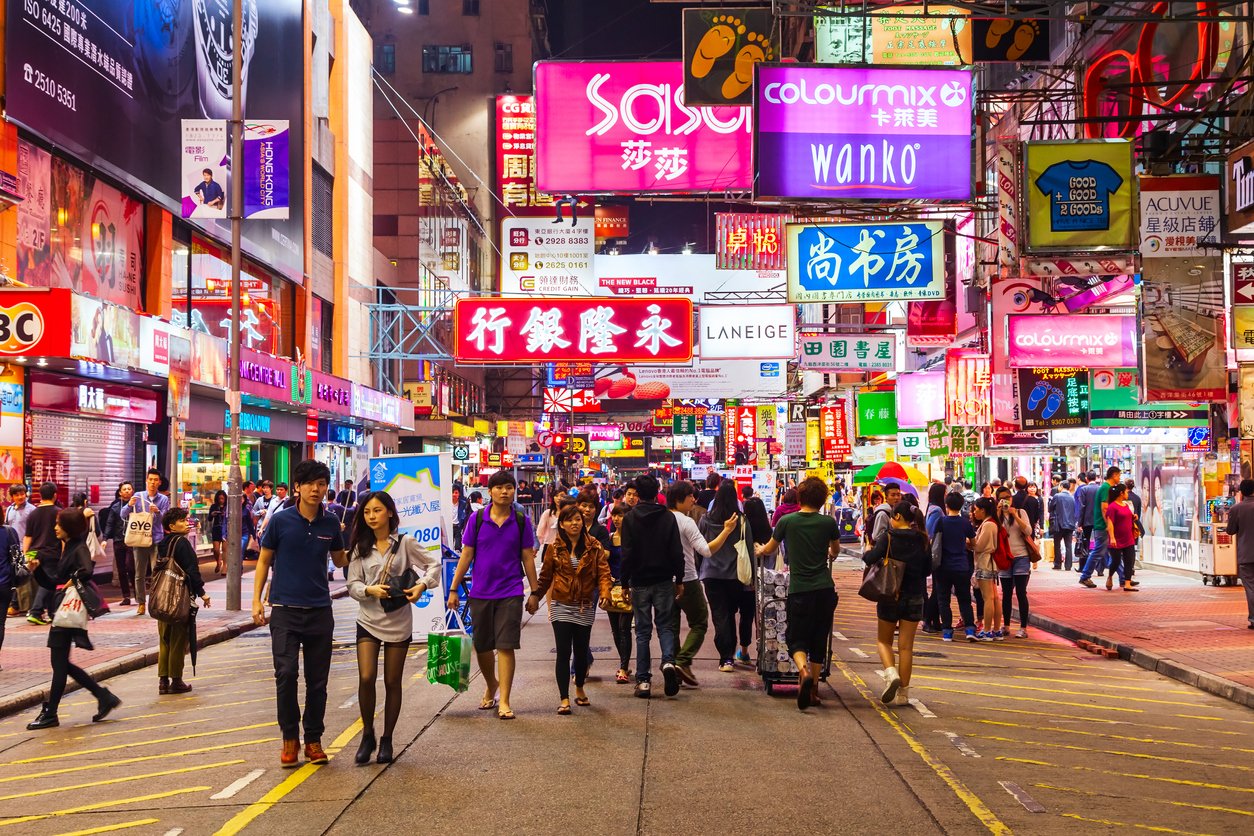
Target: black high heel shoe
<point>385,750</point>
<point>366,749</point>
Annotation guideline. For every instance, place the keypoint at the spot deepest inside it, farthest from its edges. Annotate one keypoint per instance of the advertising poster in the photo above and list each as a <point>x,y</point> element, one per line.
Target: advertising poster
<point>1179,216</point>
<point>920,398</point>
<point>1114,403</point>
<point>206,168</point>
<point>12,424</point>
<point>873,262</point>
<point>1239,188</point>
<point>720,48</point>
<point>267,170</point>
<point>877,413</point>
<point>1088,340</point>
<point>179,395</point>
<point>421,489</point>
<point>967,383</point>
<point>112,82</point>
<point>937,438</point>
<point>819,135</point>
<point>747,332</point>
<point>1245,402</point>
<point>1243,310</point>
<point>1020,40</point>
<point>106,333</point>
<point>541,258</point>
<point>744,241</point>
<point>623,126</point>
<point>848,352</point>
<point>77,232</point>
<point>834,430</point>
<point>897,35</point>
<point>1184,340</point>
<point>516,157</point>
<point>1079,195</point>
<point>1053,398</point>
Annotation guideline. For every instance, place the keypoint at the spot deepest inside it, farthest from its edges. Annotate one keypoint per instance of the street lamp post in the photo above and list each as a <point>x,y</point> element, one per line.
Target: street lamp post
<point>235,506</point>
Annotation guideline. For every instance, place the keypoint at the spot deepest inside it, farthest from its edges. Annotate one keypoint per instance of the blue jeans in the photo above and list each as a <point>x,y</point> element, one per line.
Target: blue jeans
<point>651,604</point>
<point>1099,555</point>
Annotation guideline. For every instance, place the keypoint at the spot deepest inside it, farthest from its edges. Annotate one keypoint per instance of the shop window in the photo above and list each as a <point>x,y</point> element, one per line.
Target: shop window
<point>266,301</point>
<point>447,59</point>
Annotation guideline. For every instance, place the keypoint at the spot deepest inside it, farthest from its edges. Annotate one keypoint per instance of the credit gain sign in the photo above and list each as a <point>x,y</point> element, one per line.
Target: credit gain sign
<point>878,133</point>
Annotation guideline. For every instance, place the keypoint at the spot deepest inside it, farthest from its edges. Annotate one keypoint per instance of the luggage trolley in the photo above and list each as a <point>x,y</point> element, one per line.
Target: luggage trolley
<point>770,596</point>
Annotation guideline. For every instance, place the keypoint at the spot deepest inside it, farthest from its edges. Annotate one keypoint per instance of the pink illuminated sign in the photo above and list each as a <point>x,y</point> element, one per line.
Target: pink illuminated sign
<point>622,126</point>
<point>1084,341</point>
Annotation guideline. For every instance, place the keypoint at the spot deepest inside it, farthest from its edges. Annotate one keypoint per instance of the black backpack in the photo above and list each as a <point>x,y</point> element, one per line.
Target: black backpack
<point>518,518</point>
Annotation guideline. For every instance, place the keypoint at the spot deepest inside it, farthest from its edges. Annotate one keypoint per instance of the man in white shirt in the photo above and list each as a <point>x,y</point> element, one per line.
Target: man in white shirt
<point>16,516</point>
<point>680,498</point>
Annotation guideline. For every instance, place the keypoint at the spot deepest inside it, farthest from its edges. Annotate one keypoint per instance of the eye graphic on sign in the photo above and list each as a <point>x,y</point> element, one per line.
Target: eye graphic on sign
<point>21,327</point>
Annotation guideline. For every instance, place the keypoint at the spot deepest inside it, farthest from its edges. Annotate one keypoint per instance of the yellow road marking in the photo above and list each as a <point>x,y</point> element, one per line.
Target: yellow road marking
<point>58,741</point>
<point>1022,699</point>
<point>82,752</point>
<point>977,807</point>
<point>101,805</point>
<point>122,780</point>
<point>109,828</point>
<point>244,817</point>
<point>1116,752</point>
<point>1121,697</point>
<point>1072,681</point>
<point>139,759</point>
<point>129,717</point>
<point>1154,828</point>
<point>1217,719</point>
<point>1077,718</point>
<point>1180,781</point>
<point>1152,740</point>
<point>1212,807</point>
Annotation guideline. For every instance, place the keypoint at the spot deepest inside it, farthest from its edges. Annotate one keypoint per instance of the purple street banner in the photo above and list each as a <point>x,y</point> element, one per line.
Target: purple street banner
<point>875,133</point>
<point>267,170</point>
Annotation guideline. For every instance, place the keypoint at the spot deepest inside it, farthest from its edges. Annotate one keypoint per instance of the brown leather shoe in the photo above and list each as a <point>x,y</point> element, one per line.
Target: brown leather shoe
<point>314,753</point>
<point>139,610</point>
<point>178,686</point>
<point>163,685</point>
<point>290,757</point>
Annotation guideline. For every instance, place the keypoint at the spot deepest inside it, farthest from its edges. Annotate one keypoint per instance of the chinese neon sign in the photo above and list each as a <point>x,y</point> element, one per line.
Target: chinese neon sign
<point>749,242</point>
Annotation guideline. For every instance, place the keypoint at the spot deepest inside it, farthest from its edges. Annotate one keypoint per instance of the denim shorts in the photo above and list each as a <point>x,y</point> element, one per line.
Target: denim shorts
<point>1020,566</point>
<point>905,608</point>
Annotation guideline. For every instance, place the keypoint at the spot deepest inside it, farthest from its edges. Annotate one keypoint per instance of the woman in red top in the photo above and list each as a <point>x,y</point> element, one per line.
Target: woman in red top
<point>1121,523</point>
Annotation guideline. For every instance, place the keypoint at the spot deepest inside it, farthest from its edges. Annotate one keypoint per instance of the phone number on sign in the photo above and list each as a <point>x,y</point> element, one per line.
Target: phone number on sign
<point>55,91</point>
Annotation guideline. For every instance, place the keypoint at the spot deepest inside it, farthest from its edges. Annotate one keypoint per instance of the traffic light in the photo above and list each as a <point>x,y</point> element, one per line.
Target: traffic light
<point>559,441</point>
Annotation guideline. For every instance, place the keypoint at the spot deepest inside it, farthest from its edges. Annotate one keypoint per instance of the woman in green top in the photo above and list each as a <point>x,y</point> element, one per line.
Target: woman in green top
<point>813,538</point>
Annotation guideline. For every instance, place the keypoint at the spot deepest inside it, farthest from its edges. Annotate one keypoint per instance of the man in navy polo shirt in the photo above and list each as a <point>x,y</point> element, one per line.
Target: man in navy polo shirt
<point>297,542</point>
<point>501,544</point>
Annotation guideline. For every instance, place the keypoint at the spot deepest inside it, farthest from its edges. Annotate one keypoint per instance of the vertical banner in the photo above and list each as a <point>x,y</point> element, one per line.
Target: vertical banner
<point>937,438</point>
<point>179,396</point>
<point>206,167</point>
<point>12,423</point>
<point>967,388</point>
<point>834,431</point>
<point>1184,343</point>
<point>1007,207</point>
<point>516,157</point>
<point>421,489</point>
<point>267,169</point>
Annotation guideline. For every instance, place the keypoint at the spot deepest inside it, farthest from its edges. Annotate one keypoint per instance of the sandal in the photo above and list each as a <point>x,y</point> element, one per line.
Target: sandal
<point>505,715</point>
<point>582,701</point>
<point>621,678</point>
<point>561,709</point>
<point>487,705</point>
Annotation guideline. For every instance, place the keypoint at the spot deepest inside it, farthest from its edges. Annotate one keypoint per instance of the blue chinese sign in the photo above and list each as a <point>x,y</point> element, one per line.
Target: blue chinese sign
<point>877,262</point>
<point>712,425</point>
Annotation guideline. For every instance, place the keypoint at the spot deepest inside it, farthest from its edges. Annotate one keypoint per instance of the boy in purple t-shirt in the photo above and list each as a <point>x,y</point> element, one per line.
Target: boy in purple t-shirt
<point>501,544</point>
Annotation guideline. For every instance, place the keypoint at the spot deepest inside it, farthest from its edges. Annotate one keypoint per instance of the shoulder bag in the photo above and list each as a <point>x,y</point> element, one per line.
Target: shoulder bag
<point>71,614</point>
<point>881,582</point>
<point>15,557</point>
<point>168,597</point>
<point>139,528</point>
<point>744,562</point>
<point>396,584</point>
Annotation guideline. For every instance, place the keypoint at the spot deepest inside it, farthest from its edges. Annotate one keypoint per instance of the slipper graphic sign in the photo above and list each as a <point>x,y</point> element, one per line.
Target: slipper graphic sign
<point>1052,398</point>
<point>720,48</point>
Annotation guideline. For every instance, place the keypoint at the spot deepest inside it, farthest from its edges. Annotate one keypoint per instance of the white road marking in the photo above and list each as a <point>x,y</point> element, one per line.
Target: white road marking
<point>923,709</point>
<point>836,634</point>
<point>350,702</point>
<point>859,652</point>
<point>961,745</point>
<point>1029,803</point>
<point>175,832</point>
<point>234,788</point>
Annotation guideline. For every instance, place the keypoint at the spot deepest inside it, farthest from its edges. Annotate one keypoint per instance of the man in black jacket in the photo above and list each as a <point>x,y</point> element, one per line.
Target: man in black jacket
<point>653,569</point>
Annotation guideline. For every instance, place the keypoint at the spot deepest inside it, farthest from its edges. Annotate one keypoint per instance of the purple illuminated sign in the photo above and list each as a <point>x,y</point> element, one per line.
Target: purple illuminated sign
<point>875,133</point>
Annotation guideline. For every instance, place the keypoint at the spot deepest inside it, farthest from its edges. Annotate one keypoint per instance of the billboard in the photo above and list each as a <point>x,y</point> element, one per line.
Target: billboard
<point>848,352</point>
<point>499,330</point>
<point>865,133</point>
<point>1113,402</point>
<point>1079,195</point>
<point>540,258</point>
<point>516,157</point>
<point>748,241</point>
<point>1180,215</point>
<point>123,76</point>
<point>1239,186</point>
<point>867,262</point>
<point>967,384</point>
<point>1086,341</point>
<point>1053,398</point>
<point>623,126</point>
<point>896,35</point>
<point>920,398</point>
<point>720,48</point>
<point>1185,339</point>
<point>748,332</point>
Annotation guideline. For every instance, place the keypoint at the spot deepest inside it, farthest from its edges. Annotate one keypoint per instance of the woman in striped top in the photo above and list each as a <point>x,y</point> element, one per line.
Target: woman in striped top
<point>577,570</point>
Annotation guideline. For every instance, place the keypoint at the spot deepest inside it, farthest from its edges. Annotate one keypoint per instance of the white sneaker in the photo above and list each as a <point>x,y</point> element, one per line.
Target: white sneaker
<point>903,696</point>
<point>890,690</point>
<point>1022,634</point>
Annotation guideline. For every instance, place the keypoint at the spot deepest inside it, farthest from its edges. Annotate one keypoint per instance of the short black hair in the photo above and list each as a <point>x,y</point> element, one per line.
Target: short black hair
<point>310,470</point>
<point>746,492</point>
<point>1247,487</point>
<point>283,485</point>
<point>1112,471</point>
<point>954,501</point>
<point>172,516</point>
<point>48,490</point>
<point>812,492</point>
<point>208,171</point>
<point>152,471</point>
<point>647,487</point>
<point>14,490</point>
<point>249,484</point>
<point>502,477</point>
<point>678,492</point>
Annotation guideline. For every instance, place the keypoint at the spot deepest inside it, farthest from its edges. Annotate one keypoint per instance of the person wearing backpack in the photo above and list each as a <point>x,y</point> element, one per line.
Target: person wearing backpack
<point>501,544</point>
<point>987,544</point>
<point>172,638</point>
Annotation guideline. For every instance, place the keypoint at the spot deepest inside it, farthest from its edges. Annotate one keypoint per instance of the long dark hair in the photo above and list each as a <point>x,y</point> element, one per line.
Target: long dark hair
<point>219,495</point>
<point>569,512</point>
<point>936,496</point>
<point>362,541</point>
<point>726,505</point>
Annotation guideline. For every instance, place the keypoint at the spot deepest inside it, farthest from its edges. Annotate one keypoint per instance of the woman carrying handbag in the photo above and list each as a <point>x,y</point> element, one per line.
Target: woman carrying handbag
<point>75,564</point>
<point>576,568</point>
<point>905,543</point>
<point>173,636</point>
<point>723,588</point>
<point>387,572</point>
<point>1023,550</point>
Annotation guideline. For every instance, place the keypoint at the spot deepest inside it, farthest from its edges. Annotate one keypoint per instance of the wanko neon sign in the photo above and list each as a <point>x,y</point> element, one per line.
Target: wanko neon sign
<point>1142,87</point>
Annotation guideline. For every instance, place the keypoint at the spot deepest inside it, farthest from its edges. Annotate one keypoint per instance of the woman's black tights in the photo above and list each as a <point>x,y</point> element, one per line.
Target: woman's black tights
<point>570,636</point>
<point>62,668</point>
<point>393,677</point>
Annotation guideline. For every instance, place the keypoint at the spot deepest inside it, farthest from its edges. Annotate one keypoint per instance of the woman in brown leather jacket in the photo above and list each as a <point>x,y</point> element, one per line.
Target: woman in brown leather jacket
<point>577,570</point>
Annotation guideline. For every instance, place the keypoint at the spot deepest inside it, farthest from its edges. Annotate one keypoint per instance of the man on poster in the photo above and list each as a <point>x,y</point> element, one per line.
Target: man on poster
<point>209,192</point>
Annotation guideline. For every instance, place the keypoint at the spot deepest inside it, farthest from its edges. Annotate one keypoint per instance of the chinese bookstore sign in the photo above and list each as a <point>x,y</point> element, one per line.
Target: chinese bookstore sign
<point>848,352</point>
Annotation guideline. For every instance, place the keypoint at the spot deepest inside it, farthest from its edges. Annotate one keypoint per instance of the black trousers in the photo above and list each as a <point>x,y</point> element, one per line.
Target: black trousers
<point>571,637</point>
<point>747,609</point>
<point>946,583</point>
<point>6,595</point>
<point>620,626</point>
<point>293,631</point>
<point>1018,584</point>
<point>62,669</point>
<point>724,597</point>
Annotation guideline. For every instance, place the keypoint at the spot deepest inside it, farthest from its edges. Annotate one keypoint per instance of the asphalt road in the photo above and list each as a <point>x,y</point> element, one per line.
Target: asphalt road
<point>1033,736</point>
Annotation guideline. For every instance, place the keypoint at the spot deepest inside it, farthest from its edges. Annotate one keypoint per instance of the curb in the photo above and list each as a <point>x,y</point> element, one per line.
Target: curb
<point>1151,661</point>
<point>134,661</point>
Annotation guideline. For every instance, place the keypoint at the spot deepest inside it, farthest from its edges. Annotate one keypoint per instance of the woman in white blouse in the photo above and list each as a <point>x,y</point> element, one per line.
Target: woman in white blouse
<point>377,553</point>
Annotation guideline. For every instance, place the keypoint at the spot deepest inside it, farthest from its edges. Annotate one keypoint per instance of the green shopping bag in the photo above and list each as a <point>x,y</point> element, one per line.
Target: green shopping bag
<point>448,655</point>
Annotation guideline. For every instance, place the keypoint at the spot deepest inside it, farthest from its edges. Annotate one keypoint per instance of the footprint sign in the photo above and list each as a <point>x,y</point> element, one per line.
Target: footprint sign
<point>720,48</point>
<point>1007,39</point>
<point>1053,398</point>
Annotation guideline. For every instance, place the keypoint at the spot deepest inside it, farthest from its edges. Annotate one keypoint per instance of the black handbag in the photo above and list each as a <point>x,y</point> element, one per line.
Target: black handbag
<point>16,557</point>
<point>90,594</point>
<point>881,581</point>
<point>396,584</point>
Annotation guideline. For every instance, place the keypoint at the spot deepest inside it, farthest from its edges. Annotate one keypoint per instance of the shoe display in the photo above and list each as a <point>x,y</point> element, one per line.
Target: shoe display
<point>314,753</point>
<point>670,674</point>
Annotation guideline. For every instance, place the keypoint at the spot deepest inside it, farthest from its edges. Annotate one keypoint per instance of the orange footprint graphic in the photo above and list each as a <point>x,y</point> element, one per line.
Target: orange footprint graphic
<point>757,49</point>
<point>997,30</point>
<point>1025,36</point>
<point>716,43</point>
